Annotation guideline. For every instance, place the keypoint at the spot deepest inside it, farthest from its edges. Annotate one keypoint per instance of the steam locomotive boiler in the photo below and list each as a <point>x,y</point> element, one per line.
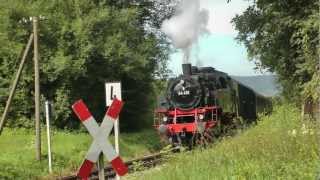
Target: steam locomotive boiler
<point>199,100</point>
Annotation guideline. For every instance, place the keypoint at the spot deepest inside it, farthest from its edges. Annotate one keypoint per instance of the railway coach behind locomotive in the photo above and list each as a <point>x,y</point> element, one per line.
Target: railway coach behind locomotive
<point>198,100</point>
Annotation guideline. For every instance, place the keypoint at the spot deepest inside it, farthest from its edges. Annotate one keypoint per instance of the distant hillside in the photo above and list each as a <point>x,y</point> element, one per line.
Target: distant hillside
<point>263,84</point>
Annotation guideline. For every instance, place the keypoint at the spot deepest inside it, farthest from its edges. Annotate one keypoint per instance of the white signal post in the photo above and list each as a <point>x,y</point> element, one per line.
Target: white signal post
<point>113,90</point>
<point>47,104</point>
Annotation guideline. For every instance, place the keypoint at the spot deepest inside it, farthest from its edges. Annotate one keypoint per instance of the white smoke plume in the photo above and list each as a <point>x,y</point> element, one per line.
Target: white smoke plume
<point>187,24</point>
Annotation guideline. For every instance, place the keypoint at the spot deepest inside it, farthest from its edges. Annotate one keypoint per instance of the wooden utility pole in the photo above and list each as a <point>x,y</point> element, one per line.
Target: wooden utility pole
<point>36,88</point>
<point>15,83</point>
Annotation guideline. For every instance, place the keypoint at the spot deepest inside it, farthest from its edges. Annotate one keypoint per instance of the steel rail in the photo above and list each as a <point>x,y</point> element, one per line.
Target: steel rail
<point>146,162</point>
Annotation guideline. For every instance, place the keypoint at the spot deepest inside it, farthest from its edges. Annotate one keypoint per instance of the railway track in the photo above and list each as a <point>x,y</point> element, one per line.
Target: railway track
<point>133,165</point>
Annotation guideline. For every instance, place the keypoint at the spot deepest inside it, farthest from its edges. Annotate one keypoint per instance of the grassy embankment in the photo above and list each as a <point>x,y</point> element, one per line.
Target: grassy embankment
<point>281,146</point>
<point>17,154</point>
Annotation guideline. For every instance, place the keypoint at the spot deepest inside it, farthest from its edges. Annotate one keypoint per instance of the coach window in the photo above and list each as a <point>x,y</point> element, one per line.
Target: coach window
<point>223,82</point>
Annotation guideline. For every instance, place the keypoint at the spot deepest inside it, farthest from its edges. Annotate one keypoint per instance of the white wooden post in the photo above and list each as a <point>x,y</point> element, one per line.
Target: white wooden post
<point>47,104</point>
<point>113,90</point>
<point>101,167</point>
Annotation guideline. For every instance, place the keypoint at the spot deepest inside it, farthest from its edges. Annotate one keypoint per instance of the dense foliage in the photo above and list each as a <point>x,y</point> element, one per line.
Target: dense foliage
<point>83,44</point>
<point>283,37</point>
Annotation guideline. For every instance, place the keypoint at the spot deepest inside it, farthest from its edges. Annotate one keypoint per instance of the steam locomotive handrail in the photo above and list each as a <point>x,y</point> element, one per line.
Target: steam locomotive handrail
<point>178,112</point>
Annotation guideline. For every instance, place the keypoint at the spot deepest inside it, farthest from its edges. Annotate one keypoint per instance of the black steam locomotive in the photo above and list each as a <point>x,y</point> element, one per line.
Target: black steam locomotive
<point>201,99</point>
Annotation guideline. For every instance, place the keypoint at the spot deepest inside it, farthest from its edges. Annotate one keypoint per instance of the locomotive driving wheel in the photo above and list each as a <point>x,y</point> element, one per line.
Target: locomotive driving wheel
<point>202,139</point>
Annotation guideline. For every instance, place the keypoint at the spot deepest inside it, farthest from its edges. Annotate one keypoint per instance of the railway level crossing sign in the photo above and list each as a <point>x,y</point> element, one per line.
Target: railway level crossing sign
<point>113,90</point>
<point>100,135</point>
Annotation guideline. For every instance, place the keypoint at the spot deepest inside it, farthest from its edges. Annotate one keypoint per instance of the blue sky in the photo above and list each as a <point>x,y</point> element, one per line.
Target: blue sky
<point>219,49</point>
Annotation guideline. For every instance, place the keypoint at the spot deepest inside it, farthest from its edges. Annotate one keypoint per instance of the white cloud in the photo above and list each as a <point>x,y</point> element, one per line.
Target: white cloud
<point>221,13</point>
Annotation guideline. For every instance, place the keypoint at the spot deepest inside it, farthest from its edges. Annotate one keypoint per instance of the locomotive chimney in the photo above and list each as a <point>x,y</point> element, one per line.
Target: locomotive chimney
<point>186,69</point>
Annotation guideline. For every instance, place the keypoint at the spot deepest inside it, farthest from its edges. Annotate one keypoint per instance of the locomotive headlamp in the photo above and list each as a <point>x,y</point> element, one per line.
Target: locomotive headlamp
<point>165,118</point>
<point>201,116</point>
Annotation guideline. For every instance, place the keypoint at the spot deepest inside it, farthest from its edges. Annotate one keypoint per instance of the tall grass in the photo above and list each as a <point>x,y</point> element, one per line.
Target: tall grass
<point>280,146</point>
<point>17,154</point>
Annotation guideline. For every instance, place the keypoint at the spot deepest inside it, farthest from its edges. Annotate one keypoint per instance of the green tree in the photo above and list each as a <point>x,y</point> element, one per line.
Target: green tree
<point>282,37</point>
<point>83,44</point>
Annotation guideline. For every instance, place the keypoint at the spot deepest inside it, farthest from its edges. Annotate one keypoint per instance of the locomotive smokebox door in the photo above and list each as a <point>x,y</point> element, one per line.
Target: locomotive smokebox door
<point>184,93</point>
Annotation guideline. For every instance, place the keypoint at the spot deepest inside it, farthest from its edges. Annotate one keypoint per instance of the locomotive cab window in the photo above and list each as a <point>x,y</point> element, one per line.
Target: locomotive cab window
<point>223,82</point>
